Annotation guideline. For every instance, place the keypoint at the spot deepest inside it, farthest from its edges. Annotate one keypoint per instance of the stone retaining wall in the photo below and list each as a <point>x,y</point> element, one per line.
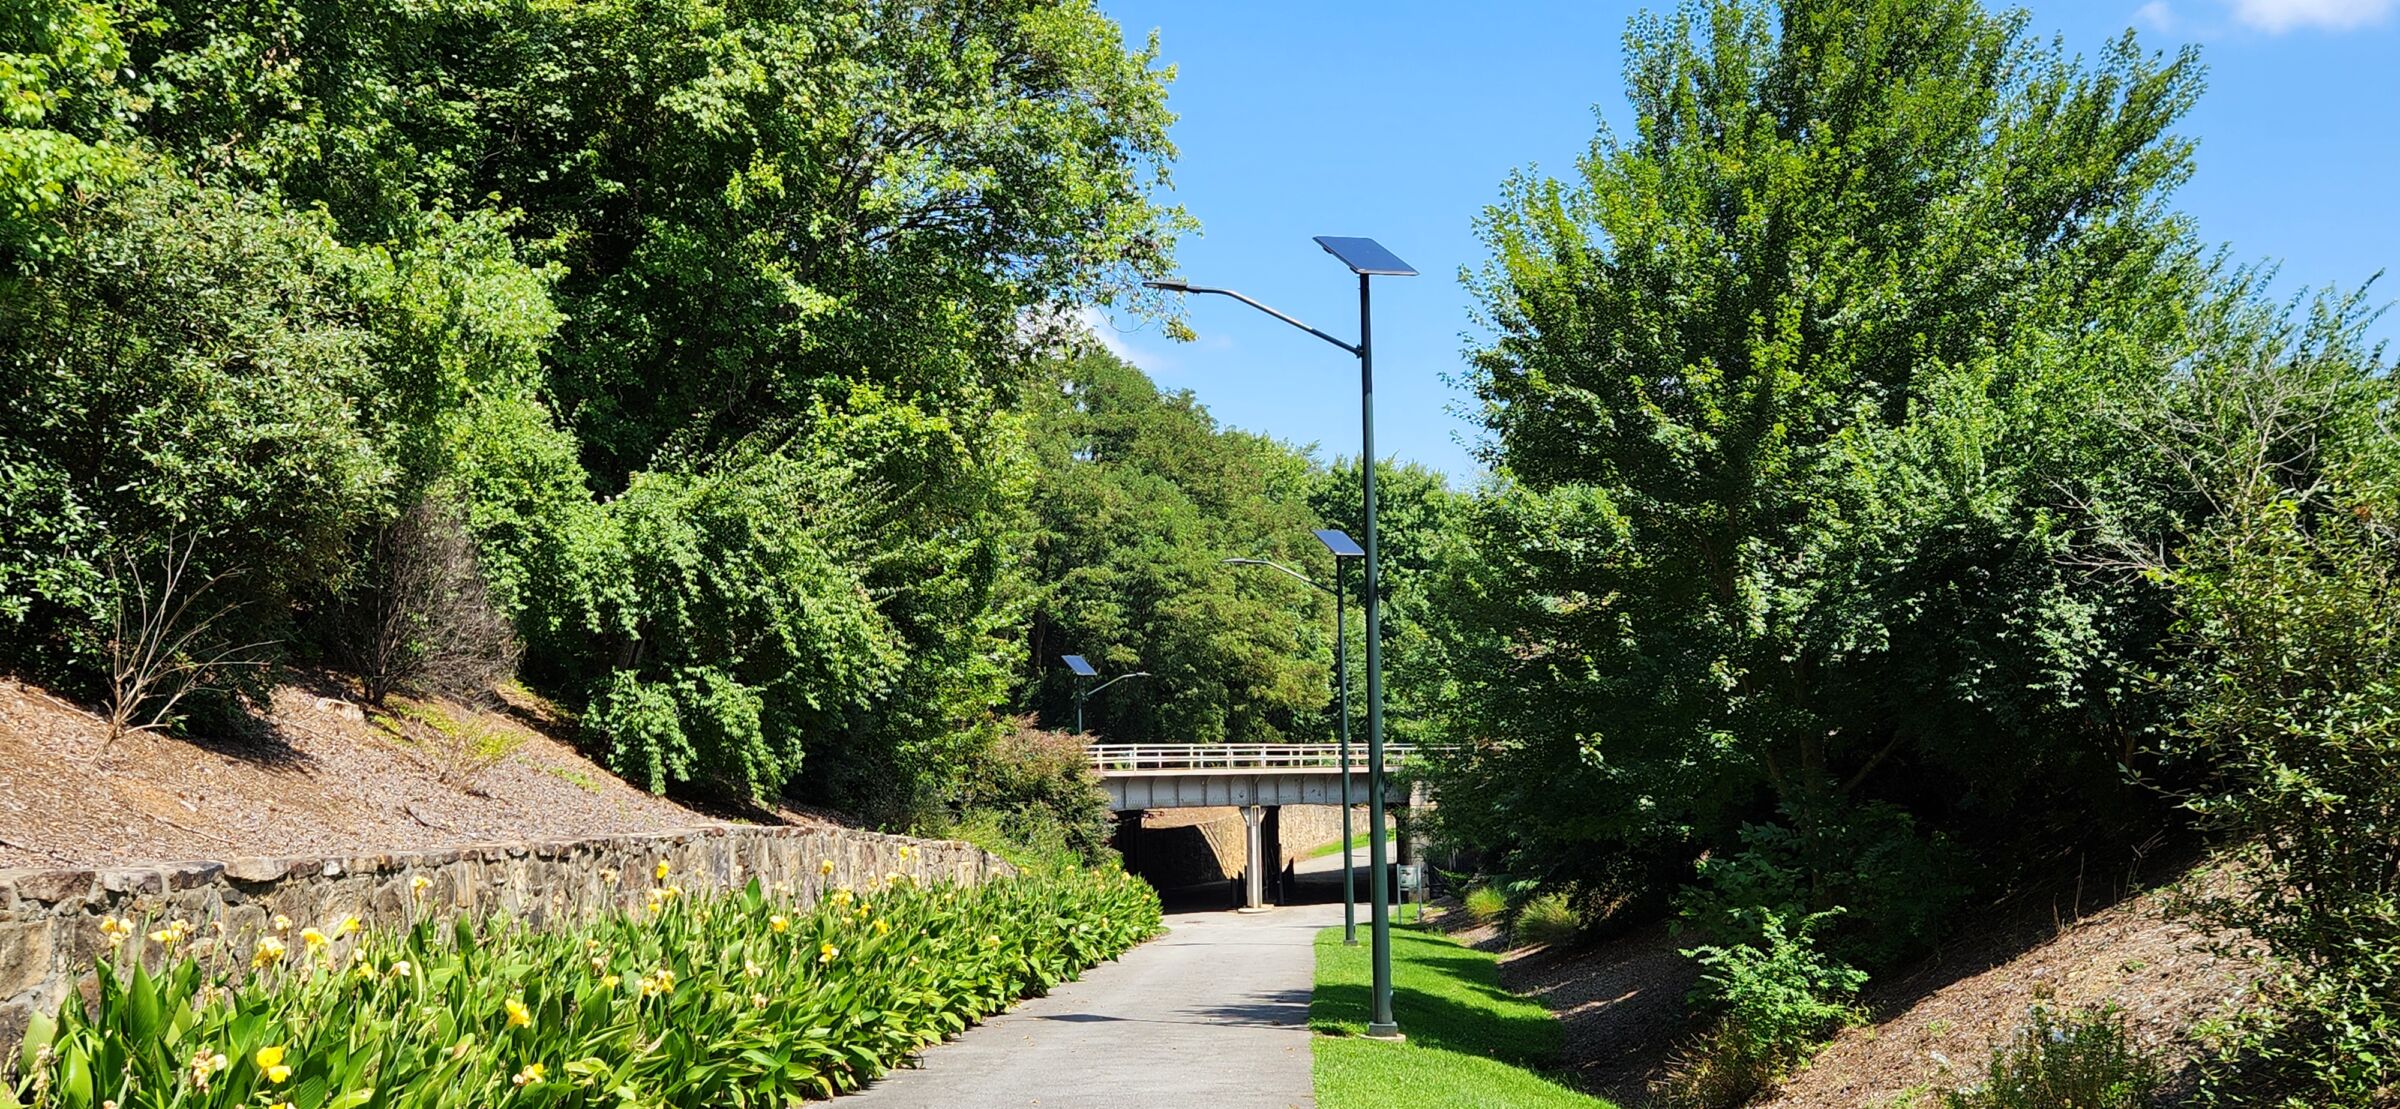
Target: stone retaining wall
<point>50,919</point>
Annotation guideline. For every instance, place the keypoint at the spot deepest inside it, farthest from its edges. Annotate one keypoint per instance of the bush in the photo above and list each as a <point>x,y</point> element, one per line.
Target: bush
<point>746,999</point>
<point>2085,1060</point>
<point>186,362</point>
<point>1033,790</point>
<point>2290,621</point>
<point>1549,920</point>
<point>1892,882</point>
<point>423,621</point>
<point>1486,904</point>
<point>1775,1003</point>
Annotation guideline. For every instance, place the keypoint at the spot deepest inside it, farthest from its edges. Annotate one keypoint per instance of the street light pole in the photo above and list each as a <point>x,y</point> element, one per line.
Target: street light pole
<point>1342,547</point>
<point>1083,671</point>
<point>1380,1023</point>
<point>1366,258</point>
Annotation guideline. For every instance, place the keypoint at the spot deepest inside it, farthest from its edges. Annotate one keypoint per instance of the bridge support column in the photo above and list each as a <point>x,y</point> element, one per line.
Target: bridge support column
<point>1254,870</point>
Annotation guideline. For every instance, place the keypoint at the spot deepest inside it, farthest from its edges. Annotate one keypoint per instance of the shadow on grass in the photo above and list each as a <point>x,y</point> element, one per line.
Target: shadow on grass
<point>1443,996</point>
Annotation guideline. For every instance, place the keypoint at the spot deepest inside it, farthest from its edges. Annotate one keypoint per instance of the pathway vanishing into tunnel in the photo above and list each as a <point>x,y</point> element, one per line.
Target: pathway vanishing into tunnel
<point>1214,1013</point>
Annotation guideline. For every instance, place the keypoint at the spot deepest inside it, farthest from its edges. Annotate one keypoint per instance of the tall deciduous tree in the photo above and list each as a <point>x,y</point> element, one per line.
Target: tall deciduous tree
<point>1793,391</point>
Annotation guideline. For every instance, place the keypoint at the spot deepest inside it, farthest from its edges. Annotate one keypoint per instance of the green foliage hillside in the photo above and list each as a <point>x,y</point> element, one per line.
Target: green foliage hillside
<point>1892,497</point>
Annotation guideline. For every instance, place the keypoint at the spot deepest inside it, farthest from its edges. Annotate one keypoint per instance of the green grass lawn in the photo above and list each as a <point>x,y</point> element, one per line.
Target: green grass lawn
<point>1470,1043</point>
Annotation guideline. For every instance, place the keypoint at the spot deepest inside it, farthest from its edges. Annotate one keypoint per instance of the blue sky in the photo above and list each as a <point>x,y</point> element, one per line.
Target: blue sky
<point>1398,120</point>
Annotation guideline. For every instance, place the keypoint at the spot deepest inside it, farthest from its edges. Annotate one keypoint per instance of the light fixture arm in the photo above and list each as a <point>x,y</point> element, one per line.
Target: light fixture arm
<point>1115,680</point>
<point>1175,287</point>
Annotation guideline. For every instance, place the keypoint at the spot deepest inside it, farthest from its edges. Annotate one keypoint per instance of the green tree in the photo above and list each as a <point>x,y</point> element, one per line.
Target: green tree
<point>1141,497</point>
<point>1791,393</point>
<point>2287,641</point>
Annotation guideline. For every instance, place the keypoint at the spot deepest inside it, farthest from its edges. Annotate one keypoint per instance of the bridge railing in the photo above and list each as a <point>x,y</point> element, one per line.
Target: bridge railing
<point>1236,756</point>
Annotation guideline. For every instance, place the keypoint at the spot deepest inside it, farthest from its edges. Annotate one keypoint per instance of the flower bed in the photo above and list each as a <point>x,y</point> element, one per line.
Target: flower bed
<point>743,1000</point>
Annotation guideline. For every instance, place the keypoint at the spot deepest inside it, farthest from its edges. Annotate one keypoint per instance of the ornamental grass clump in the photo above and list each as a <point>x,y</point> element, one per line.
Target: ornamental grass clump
<point>738,1000</point>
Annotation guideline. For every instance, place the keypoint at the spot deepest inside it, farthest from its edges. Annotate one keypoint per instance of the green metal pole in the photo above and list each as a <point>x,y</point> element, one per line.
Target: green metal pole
<point>1380,1024</point>
<point>1341,666</point>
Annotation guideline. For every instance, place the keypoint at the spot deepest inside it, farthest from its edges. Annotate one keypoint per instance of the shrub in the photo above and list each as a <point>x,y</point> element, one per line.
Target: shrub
<point>2085,1059</point>
<point>1776,1001</point>
<point>2292,614</point>
<point>1548,919</point>
<point>186,362</point>
<point>1485,903</point>
<point>746,999</point>
<point>423,621</point>
<point>1034,790</point>
<point>1892,882</point>
<point>459,749</point>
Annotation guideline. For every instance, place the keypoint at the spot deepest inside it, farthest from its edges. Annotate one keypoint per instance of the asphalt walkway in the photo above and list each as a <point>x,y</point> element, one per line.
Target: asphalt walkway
<point>1214,1013</point>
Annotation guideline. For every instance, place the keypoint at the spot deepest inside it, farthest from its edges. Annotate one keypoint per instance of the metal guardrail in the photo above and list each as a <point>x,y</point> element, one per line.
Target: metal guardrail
<point>1235,756</point>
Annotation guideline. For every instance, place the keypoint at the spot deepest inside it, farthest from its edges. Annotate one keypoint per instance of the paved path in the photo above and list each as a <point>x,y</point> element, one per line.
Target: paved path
<point>1214,1013</point>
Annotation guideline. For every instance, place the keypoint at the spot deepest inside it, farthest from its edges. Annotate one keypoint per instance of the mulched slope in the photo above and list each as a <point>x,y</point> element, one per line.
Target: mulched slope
<point>1937,1027</point>
<point>1622,1001</point>
<point>314,778</point>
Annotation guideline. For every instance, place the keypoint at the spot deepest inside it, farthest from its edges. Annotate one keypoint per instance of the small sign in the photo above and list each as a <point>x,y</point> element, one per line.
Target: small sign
<point>1412,877</point>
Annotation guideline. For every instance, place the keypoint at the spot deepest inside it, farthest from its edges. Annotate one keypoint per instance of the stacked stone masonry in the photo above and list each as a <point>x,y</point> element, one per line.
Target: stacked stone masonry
<point>50,934</point>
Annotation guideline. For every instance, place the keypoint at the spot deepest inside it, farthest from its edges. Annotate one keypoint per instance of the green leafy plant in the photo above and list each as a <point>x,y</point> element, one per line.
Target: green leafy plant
<point>1894,883</point>
<point>743,999</point>
<point>2084,1059</point>
<point>1775,1002</point>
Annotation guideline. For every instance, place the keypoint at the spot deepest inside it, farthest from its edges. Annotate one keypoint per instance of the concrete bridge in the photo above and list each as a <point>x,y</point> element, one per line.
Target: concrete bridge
<point>1257,778</point>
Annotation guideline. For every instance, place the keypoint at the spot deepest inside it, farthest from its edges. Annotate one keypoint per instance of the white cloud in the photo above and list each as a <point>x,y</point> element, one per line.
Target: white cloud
<point>2158,14</point>
<point>1105,332</point>
<point>2278,16</point>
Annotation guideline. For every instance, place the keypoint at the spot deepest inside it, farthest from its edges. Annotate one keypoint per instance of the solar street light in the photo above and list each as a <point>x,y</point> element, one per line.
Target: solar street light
<point>1368,259</point>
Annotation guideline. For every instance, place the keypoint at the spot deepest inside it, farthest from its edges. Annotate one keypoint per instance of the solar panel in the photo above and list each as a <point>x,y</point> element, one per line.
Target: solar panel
<point>1340,543</point>
<point>1365,256</point>
<point>1081,668</point>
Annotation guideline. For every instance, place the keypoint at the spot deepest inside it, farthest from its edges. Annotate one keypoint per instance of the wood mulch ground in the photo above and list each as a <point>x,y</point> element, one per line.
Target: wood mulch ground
<point>311,776</point>
<point>1621,1000</point>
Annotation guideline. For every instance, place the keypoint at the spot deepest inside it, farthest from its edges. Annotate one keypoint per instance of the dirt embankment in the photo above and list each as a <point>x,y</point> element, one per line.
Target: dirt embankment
<point>318,774</point>
<point>1934,1025</point>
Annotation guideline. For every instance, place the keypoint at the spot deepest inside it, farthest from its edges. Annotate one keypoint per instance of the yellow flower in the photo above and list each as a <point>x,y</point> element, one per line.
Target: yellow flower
<point>758,1001</point>
<point>896,878</point>
<point>283,923</point>
<point>348,927</point>
<point>657,900</point>
<point>609,981</point>
<point>115,927</point>
<point>991,941</point>
<point>531,1074</point>
<point>274,1105</point>
<point>825,869</point>
<point>882,927</point>
<point>518,1015</point>
<point>907,852</point>
<point>826,952</point>
<point>779,924</point>
<point>173,933</point>
<point>674,892</point>
<point>419,884</point>
<point>841,898</point>
<point>270,1060</point>
<point>659,872</point>
<point>269,950</point>
<point>313,938</point>
<point>401,969</point>
<point>751,970</point>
